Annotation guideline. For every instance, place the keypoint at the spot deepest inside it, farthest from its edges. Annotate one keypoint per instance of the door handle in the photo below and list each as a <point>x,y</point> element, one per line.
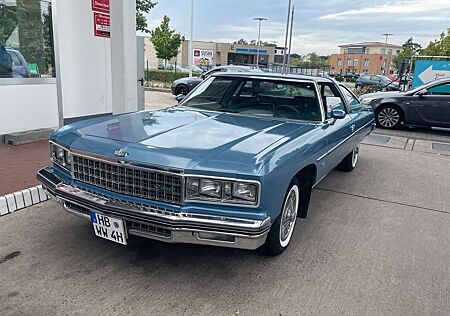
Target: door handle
<point>141,81</point>
<point>352,127</point>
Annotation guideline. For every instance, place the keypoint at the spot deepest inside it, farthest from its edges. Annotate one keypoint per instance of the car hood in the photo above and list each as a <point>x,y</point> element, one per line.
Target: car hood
<point>380,95</point>
<point>183,138</point>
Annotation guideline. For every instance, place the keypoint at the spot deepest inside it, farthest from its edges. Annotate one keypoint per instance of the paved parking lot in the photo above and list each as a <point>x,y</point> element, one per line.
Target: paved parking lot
<point>375,243</point>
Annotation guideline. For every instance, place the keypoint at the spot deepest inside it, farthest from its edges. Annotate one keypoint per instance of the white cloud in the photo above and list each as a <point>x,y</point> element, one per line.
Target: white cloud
<point>406,7</point>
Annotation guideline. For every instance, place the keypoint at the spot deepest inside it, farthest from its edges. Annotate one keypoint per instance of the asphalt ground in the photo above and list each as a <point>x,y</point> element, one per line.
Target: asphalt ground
<point>376,242</point>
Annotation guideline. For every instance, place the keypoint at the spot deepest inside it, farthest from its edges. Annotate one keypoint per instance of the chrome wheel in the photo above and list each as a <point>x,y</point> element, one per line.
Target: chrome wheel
<point>355,154</point>
<point>289,216</point>
<point>388,117</point>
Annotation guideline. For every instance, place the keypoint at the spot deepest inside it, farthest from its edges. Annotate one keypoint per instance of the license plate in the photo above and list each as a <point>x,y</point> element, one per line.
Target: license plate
<point>109,228</point>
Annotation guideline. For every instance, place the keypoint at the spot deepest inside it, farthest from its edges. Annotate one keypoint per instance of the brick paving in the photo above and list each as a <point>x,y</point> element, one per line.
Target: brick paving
<point>19,164</point>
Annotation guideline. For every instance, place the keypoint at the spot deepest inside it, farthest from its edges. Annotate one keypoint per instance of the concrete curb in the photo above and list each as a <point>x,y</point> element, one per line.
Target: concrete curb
<point>12,202</point>
<point>158,89</point>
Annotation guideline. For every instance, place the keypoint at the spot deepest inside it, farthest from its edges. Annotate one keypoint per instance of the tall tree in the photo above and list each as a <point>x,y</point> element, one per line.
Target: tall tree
<point>439,47</point>
<point>409,49</point>
<point>142,7</point>
<point>166,41</point>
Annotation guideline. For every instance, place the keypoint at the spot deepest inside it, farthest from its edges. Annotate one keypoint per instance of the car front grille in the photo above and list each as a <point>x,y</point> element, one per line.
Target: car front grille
<point>139,182</point>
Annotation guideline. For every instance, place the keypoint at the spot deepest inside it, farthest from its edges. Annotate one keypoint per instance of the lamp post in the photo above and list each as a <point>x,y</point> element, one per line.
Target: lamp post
<point>385,45</point>
<point>191,53</point>
<point>259,38</point>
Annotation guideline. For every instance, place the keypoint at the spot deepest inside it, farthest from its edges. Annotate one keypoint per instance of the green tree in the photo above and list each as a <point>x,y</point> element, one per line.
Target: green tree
<point>241,41</point>
<point>142,7</point>
<point>8,22</point>
<point>409,49</point>
<point>166,41</point>
<point>439,47</point>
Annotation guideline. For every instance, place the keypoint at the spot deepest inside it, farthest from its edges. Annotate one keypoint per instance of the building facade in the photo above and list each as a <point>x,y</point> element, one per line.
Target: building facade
<point>213,54</point>
<point>365,57</point>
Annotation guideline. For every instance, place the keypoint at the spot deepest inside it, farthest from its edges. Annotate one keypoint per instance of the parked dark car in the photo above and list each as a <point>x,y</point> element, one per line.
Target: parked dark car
<point>427,105</point>
<point>19,64</point>
<point>185,85</point>
<point>381,83</point>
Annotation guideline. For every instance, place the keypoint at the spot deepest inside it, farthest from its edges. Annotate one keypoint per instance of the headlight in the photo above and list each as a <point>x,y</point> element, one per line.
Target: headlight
<point>222,191</point>
<point>60,156</point>
<point>367,100</point>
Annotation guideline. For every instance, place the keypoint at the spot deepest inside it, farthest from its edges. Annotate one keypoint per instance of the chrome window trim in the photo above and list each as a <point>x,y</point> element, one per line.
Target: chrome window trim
<point>258,184</point>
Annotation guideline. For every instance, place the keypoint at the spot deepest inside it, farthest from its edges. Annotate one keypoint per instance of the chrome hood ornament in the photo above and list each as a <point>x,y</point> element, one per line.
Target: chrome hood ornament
<point>120,153</point>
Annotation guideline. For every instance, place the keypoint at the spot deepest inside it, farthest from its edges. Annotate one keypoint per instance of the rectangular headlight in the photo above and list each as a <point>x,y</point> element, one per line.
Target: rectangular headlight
<point>60,156</point>
<point>222,191</point>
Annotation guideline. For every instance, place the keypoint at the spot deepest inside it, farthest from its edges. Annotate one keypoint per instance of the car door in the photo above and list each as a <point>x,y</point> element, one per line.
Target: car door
<point>338,132</point>
<point>432,108</point>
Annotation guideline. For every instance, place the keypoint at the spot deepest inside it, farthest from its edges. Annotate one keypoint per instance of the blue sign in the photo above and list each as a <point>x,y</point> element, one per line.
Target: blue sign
<point>430,70</point>
<point>251,51</point>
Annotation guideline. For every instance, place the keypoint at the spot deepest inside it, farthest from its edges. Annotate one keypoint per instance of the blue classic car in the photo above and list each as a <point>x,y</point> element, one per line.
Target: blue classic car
<point>232,165</point>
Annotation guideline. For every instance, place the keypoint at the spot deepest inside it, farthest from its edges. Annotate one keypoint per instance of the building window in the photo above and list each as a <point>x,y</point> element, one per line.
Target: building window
<point>349,62</point>
<point>367,50</point>
<point>383,51</point>
<point>390,51</point>
<point>366,62</point>
<point>355,62</point>
<point>26,39</point>
<point>398,51</point>
<point>339,62</point>
<point>345,50</point>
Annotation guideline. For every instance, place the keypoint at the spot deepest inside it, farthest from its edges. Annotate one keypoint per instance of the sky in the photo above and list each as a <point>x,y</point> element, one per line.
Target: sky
<point>319,26</point>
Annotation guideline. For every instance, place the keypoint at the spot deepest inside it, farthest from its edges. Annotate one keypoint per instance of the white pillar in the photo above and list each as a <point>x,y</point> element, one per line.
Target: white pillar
<point>123,56</point>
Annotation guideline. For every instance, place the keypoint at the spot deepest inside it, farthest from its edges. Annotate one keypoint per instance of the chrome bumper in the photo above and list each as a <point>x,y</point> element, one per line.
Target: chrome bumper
<point>158,223</point>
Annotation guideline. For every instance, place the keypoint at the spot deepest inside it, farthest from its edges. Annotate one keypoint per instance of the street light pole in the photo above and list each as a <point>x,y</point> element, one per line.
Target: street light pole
<point>385,45</point>
<point>259,38</point>
<point>286,39</point>
<point>288,65</point>
<point>191,53</point>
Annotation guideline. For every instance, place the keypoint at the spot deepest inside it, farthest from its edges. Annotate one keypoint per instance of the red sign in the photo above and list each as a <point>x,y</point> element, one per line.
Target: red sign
<point>102,25</point>
<point>100,6</point>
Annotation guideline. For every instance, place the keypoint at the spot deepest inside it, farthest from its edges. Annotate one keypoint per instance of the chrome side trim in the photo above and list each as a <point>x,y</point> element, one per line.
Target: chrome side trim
<point>343,141</point>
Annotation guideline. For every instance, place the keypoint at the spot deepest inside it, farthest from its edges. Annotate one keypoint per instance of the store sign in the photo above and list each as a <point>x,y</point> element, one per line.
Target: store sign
<point>429,70</point>
<point>100,6</point>
<point>251,51</point>
<point>203,57</point>
<point>102,25</point>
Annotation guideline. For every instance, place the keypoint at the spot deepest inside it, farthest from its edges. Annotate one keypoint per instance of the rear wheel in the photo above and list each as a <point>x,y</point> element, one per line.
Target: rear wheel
<point>281,231</point>
<point>389,117</point>
<point>350,161</point>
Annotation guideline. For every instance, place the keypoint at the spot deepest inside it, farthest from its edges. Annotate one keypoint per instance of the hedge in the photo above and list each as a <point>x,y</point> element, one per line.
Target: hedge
<point>168,76</point>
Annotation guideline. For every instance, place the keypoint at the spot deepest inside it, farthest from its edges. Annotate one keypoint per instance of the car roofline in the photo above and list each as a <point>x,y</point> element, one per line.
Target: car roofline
<point>274,76</point>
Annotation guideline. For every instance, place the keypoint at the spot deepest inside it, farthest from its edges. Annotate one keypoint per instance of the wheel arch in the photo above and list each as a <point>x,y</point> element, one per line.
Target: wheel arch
<point>306,177</point>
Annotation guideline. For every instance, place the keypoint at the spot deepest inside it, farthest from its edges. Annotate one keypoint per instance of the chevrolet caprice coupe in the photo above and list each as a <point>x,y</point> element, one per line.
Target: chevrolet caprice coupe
<point>232,165</point>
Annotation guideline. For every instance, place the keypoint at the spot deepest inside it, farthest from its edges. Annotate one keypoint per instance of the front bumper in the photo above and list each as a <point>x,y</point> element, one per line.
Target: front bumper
<point>158,223</point>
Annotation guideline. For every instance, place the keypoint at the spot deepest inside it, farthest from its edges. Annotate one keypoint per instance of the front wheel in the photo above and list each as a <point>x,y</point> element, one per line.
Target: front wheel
<point>281,231</point>
<point>389,117</point>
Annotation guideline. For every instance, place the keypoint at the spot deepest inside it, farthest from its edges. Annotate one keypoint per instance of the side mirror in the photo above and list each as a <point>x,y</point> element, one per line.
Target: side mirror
<point>338,114</point>
<point>422,92</point>
<point>203,76</point>
<point>180,97</point>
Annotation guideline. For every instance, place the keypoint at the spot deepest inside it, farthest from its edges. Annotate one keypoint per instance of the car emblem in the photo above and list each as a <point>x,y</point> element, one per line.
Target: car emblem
<point>121,153</point>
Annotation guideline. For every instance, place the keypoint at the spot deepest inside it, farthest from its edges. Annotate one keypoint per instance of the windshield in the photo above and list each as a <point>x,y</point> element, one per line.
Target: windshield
<point>260,97</point>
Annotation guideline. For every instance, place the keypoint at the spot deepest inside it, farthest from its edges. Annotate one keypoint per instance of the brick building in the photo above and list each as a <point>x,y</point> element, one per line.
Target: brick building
<point>365,57</point>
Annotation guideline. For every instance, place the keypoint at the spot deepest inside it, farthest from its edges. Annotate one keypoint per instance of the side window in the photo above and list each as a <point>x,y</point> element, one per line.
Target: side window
<point>352,101</point>
<point>15,59</point>
<point>442,89</point>
<point>330,98</point>
<point>374,78</point>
